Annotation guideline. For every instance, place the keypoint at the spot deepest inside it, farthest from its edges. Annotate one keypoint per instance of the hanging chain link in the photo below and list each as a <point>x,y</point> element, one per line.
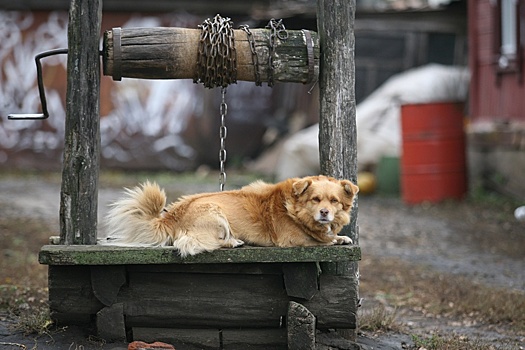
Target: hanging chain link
<point>277,31</point>
<point>255,58</point>
<point>217,65</point>
<point>222,134</point>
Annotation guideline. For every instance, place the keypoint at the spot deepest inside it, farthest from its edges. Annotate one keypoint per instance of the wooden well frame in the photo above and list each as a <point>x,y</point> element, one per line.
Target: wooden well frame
<point>233,298</point>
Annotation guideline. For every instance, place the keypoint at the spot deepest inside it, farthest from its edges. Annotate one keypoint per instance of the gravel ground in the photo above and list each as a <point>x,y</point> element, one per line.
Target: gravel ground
<point>441,237</point>
<point>451,238</point>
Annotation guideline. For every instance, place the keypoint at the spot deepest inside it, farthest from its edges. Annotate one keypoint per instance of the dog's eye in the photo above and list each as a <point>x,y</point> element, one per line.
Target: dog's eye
<point>334,201</point>
<point>316,199</point>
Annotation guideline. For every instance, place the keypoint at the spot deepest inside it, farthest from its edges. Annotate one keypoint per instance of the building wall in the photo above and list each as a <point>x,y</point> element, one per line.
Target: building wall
<point>496,134</point>
<point>495,95</point>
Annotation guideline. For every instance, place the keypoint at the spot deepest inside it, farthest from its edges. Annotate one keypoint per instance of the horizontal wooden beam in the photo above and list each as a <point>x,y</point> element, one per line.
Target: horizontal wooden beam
<point>171,53</point>
<point>112,255</point>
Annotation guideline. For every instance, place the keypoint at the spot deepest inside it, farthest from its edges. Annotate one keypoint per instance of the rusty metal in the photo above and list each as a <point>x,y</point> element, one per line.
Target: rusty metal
<point>277,31</point>
<point>217,56</point>
<point>255,58</point>
<point>223,131</point>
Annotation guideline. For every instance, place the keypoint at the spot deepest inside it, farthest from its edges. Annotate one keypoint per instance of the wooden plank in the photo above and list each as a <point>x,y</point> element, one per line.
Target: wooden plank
<point>226,339</point>
<point>70,318</point>
<point>300,279</point>
<point>342,268</point>
<point>71,297</point>
<point>239,268</point>
<point>254,339</point>
<point>201,300</point>
<point>188,339</point>
<point>106,282</point>
<point>335,306</point>
<point>111,255</point>
<point>301,327</point>
<point>171,53</point>
<point>79,191</point>
<point>110,323</point>
<point>170,299</point>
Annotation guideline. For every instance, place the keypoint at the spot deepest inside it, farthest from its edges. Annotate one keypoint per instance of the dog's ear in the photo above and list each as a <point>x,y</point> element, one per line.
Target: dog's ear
<point>349,187</point>
<point>300,186</point>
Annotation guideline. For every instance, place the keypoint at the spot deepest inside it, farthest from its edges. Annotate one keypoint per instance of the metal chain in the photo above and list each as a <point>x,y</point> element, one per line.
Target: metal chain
<point>217,57</point>
<point>222,134</point>
<point>255,58</point>
<point>277,31</point>
<point>217,66</point>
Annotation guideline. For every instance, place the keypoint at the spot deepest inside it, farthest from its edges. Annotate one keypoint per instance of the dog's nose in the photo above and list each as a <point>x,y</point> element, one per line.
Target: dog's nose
<point>324,212</point>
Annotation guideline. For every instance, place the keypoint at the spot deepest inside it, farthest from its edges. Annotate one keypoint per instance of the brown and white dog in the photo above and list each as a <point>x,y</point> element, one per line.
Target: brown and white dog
<point>296,212</point>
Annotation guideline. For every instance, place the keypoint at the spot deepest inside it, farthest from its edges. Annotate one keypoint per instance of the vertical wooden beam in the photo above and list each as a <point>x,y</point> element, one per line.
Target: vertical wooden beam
<point>337,125</point>
<point>78,198</point>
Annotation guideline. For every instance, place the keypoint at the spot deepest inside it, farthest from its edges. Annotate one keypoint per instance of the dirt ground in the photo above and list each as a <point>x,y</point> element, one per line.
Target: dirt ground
<point>478,240</point>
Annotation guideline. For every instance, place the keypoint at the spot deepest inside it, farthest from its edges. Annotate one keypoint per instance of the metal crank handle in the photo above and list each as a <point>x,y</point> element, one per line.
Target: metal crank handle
<point>41,91</point>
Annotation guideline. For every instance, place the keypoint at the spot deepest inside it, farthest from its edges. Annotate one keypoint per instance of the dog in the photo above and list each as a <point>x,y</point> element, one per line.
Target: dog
<point>297,212</point>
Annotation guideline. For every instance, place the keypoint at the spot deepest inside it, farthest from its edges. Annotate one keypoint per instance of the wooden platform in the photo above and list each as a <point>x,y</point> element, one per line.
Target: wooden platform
<point>243,298</point>
<point>113,255</point>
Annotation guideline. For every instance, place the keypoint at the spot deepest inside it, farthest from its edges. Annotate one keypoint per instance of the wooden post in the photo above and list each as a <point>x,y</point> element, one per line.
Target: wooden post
<point>78,198</point>
<point>337,125</point>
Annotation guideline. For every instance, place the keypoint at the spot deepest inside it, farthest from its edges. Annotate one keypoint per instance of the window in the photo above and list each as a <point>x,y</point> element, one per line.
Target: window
<point>508,27</point>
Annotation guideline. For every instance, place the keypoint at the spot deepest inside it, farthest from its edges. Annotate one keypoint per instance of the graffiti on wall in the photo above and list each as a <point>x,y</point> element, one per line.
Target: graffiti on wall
<point>143,123</point>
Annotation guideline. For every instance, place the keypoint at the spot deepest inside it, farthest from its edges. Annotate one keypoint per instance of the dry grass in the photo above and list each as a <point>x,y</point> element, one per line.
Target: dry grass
<point>399,285</point>
<point>456,342</point>
<point>23,281</point>
<point>378,318</point>
<point>403,284</point>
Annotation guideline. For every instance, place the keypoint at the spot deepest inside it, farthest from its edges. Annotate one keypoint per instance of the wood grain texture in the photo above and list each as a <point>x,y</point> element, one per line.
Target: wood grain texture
<point>337,124</point>
<point>300,279</point>
<point>171,53</point>
<point>71,297</point>
<point>301,327</point>
<point>335,305</point>
<point>111,255</point>
<point>209,301</point>
<point>79,191</point>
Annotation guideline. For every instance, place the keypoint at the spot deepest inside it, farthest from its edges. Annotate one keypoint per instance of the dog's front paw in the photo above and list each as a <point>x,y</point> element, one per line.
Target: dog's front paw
<point>343,240</point>
<point>237,243</point>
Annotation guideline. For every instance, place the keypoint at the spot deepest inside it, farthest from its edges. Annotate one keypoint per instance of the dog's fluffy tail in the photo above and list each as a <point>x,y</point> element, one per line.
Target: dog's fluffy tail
<point>136,219</point>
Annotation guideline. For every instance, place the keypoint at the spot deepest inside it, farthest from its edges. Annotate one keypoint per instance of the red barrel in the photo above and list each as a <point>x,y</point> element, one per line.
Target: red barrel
<point>433,162</point>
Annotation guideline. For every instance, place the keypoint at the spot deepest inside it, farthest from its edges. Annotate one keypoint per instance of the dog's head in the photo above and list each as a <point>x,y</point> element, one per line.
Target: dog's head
<point>322,200</point>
